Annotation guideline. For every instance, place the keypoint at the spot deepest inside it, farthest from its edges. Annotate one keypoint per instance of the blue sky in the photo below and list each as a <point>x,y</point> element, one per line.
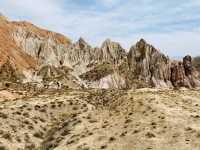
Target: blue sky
<point>172,26</point>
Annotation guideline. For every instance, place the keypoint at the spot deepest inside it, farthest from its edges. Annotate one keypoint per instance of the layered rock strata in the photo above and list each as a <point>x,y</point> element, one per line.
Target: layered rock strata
<point>37,54</point>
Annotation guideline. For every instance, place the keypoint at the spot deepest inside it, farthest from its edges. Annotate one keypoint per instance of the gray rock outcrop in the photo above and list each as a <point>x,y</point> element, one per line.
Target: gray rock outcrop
<point>149,65</point>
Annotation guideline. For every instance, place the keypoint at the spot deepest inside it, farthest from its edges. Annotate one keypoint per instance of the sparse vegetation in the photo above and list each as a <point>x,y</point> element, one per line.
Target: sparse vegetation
<point>3,115</point>
<point>38,134</point>
<point>2,147</point>
<point>7,136</point>
<point>98,72</point>
<point>111,116</point>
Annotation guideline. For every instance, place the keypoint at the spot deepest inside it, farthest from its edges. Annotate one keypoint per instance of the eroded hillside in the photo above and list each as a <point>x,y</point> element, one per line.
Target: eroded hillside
<point>101,119</point>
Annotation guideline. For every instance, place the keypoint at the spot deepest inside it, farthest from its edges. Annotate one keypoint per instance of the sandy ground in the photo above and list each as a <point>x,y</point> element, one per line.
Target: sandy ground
<point>4,94</point>
<point>145,119</point>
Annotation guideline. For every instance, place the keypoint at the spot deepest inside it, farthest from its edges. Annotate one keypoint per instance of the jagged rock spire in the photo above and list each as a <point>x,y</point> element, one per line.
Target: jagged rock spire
<point>112,50</point>
<point>82,44</point>
<point>187,63</point>
<point>148,64</point>
<point>106,42</point>
<point>141,44</point>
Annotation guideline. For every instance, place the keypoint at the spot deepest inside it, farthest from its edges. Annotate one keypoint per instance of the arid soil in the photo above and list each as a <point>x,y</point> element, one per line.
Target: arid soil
<point>144,119</point>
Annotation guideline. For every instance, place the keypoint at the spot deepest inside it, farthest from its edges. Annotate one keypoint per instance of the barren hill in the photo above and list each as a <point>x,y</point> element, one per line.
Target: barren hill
<point>101,119</point>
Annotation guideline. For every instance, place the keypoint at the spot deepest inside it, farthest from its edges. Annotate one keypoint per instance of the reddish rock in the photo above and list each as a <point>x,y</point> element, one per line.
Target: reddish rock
<point>183,73</point>
<point>177,74</point>
<point>149,65</point>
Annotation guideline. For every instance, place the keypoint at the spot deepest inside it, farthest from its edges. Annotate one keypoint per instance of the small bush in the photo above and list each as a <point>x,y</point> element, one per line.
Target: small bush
<point>38,134</point>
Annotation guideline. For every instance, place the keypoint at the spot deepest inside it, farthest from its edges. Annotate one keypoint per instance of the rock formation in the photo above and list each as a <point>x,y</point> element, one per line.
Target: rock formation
<point>38,54</point>
<point>10,52</point>
<point>183,73</point>
<point>149,65</point>
<point>7,72</point>
<point>177,74</point>
<point>41,48</point>
<point>82,53</point>
<point>196,63</point>
<point>190,71</point>
<point>152,67</point>
<point>47,47</point>
<point>187,63</point>
<point>112,52</point>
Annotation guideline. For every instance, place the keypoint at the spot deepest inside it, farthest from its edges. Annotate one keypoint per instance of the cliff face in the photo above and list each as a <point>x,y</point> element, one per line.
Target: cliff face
<point>51,48</point>
<point>154,68</point>
<point>45,46</point>
<point>149,65</point>
<point>10,52</point>
<point>82,57</point>
<point>30,50</point>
